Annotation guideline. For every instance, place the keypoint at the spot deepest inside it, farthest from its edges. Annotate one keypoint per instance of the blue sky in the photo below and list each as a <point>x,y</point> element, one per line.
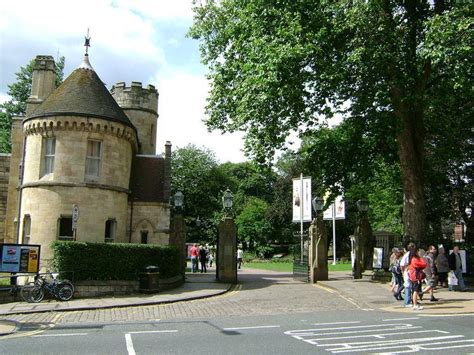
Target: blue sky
<point>140,40</point>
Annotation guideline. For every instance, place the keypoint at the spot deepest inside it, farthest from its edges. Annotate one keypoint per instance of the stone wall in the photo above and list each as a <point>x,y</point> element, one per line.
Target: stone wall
<point>153,217</point>
<point>4,174</point>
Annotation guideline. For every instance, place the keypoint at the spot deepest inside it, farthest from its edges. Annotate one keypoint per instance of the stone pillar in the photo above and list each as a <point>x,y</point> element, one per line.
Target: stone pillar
<point>364,247</point>
<point>226,251</point>
<point>178,239</point>
<point>318,256</point>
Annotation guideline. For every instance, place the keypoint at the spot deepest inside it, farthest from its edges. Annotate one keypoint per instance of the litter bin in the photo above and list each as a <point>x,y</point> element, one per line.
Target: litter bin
<point>149,279</point>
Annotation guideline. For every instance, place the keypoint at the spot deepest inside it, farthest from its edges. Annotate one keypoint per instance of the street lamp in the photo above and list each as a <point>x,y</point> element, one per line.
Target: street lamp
<point>178,199</point>
<point>227,200</point>
<point>318,204</point>
<point>363,206</point>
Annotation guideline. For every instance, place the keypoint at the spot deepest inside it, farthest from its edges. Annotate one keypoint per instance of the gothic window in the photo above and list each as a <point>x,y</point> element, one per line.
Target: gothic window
<point>49,148</point>
<point>26,229</point>
<point>94,152</point>
<point>110,230</point>
<point>65,228</point>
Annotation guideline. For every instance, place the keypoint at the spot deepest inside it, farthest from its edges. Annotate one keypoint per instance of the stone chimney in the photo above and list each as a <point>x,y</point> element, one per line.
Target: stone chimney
<point>43,82</point>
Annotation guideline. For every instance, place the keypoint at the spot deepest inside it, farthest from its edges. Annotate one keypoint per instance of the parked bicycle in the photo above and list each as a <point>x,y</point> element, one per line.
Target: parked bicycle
<point>35,292</point>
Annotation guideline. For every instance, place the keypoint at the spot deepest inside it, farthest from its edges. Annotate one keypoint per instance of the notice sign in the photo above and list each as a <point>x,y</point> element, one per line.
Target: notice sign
<point>19,258</point>
<point>302,200</point>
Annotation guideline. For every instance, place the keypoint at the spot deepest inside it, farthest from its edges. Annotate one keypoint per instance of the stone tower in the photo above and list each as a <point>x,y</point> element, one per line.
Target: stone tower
<point>141,106</point>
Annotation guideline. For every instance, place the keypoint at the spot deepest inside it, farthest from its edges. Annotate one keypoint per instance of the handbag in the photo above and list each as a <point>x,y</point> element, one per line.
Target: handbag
<point>452,279</point>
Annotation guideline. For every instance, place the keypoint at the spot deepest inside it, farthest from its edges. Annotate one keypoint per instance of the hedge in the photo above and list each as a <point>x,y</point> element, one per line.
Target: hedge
<point>113,261</point>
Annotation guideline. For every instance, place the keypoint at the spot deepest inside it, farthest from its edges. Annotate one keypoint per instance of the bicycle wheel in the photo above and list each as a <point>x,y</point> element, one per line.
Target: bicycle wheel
<point>64,291</point>
<point>25,291</point>
<point>33,294</point>
<point>67,282</point>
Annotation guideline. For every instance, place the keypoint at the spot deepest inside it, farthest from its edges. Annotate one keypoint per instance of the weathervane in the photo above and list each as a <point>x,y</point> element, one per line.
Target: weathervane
<point>87,42</point>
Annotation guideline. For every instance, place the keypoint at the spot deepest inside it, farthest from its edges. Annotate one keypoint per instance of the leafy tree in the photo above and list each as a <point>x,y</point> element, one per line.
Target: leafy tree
<point>16,106</point>
<point>253,225</point>
<point>195,172</point>
<point>277,67</point>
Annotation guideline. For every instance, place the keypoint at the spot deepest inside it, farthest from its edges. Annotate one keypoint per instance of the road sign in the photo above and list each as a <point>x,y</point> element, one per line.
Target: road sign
<point>75,216</point>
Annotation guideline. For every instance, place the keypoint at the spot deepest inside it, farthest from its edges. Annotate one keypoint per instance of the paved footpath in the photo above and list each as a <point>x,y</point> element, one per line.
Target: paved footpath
<point>258,292</point>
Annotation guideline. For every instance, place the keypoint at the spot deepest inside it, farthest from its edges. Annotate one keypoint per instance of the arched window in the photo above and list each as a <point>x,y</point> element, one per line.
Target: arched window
<point>110,230</point>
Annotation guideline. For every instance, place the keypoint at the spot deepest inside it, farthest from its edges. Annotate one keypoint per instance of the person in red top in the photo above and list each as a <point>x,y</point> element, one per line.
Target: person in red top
<point>194,254</point>
<point>416,274</point>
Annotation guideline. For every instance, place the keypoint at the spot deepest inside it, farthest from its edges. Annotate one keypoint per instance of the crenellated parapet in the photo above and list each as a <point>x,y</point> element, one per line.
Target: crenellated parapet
<point>47,127</point>
<point>136,96</point>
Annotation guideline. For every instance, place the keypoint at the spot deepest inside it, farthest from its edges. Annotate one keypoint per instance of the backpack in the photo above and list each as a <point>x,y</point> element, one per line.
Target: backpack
<point>395,268</point>
<point>415,272</point>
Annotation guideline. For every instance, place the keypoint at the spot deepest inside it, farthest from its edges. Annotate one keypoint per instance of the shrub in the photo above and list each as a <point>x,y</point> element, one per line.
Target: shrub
<point>113,261</point>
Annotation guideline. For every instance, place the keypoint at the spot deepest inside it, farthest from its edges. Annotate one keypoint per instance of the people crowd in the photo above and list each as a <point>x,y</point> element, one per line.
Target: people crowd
<point>201,258</point>
<point>416,273</point>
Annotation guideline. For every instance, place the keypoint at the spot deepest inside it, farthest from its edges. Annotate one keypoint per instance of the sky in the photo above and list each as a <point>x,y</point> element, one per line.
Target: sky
<point>131,40</point>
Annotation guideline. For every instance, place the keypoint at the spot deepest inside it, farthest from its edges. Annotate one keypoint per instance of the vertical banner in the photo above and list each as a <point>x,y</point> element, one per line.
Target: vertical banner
<point>302,200</point>
<point>340,208</point>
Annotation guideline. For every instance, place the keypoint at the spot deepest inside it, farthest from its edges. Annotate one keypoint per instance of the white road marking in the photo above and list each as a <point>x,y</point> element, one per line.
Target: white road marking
<point>153,331</point>
<point>355,322</point>
<point>389,338</point>
<point>128,340</point>
<point>399,319</point>
<point>58,335</point>
<point>256,327</point>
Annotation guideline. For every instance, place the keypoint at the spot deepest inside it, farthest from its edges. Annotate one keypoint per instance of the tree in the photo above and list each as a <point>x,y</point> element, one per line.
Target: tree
<point>195,172</point>
<point>277,67</point>
<point>253,225</point>
<point>16,106</point>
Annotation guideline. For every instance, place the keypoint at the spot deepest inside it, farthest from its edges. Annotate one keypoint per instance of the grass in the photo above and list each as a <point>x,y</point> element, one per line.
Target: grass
<point>288,267</point>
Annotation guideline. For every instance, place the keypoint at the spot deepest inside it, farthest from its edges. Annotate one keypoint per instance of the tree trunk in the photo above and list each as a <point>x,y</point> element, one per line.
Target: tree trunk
<point>410,149</point>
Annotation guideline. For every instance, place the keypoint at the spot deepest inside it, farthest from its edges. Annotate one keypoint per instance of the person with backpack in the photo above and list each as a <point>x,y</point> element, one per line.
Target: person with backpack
<point>431,272</point>
<point>416,275</point>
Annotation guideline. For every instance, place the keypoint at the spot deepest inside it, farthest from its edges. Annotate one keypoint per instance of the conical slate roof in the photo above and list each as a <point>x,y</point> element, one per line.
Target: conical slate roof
<point>82,94</point>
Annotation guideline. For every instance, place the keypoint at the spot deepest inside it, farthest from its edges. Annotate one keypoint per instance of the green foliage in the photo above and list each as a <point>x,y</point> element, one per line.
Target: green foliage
<point>16,106</point>
<point>397,74</point>
<point>113,261</point>
<point>252,223</point>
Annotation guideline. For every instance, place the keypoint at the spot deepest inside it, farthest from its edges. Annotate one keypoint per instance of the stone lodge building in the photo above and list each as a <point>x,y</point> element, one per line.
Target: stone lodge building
<point>81,145</point>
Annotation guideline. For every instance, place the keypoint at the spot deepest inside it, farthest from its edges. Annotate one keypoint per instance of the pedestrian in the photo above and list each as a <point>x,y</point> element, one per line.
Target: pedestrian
<point>442,265</point>
<point>211,258</point>
<point>404,266</point>
<point>393,282</point>
<point>430,272</point>
<point>455,264</point>
<point>203,258</point>
<point>194,254</point>
<point>240,256</point>
<point>397,274</point>
<point>416,274</point>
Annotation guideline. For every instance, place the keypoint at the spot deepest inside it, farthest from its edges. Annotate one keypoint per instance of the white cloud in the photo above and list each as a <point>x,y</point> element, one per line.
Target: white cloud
<point>181,108</point>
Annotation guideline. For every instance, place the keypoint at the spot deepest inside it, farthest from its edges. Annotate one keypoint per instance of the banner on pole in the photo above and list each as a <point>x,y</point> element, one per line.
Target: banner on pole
<point>340,209</point>
<point>302,200</point>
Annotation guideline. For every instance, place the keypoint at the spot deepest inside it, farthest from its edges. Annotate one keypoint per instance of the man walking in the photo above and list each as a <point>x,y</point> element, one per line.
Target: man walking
<point>194,254</point>
<point>455,264</point>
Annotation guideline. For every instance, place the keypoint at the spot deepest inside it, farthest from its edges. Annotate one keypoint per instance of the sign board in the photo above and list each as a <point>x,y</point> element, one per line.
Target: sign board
<point>302,200</point>
<point>19,258</point>
<point>378,258</point>
<point>340,209</point>
<point>75,216</point>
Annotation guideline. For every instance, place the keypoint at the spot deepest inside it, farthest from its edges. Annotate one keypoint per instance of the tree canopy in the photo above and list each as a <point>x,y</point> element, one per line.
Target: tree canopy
<point>397,72</point>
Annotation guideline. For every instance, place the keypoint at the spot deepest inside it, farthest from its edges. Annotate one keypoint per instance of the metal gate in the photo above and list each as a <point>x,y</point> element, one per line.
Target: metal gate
<point>301,262</point>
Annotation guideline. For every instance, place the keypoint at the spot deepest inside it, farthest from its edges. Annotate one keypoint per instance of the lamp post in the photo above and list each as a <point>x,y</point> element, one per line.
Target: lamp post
<point>227,200</point>
<point>178,199</point>
<point>318,258</point>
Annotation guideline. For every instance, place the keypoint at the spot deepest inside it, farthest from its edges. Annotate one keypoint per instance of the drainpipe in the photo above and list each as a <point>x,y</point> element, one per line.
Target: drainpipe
<point>131,221</point>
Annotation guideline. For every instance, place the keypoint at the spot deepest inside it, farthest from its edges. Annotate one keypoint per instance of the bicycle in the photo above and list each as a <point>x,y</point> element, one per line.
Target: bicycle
<point>35,292</point>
